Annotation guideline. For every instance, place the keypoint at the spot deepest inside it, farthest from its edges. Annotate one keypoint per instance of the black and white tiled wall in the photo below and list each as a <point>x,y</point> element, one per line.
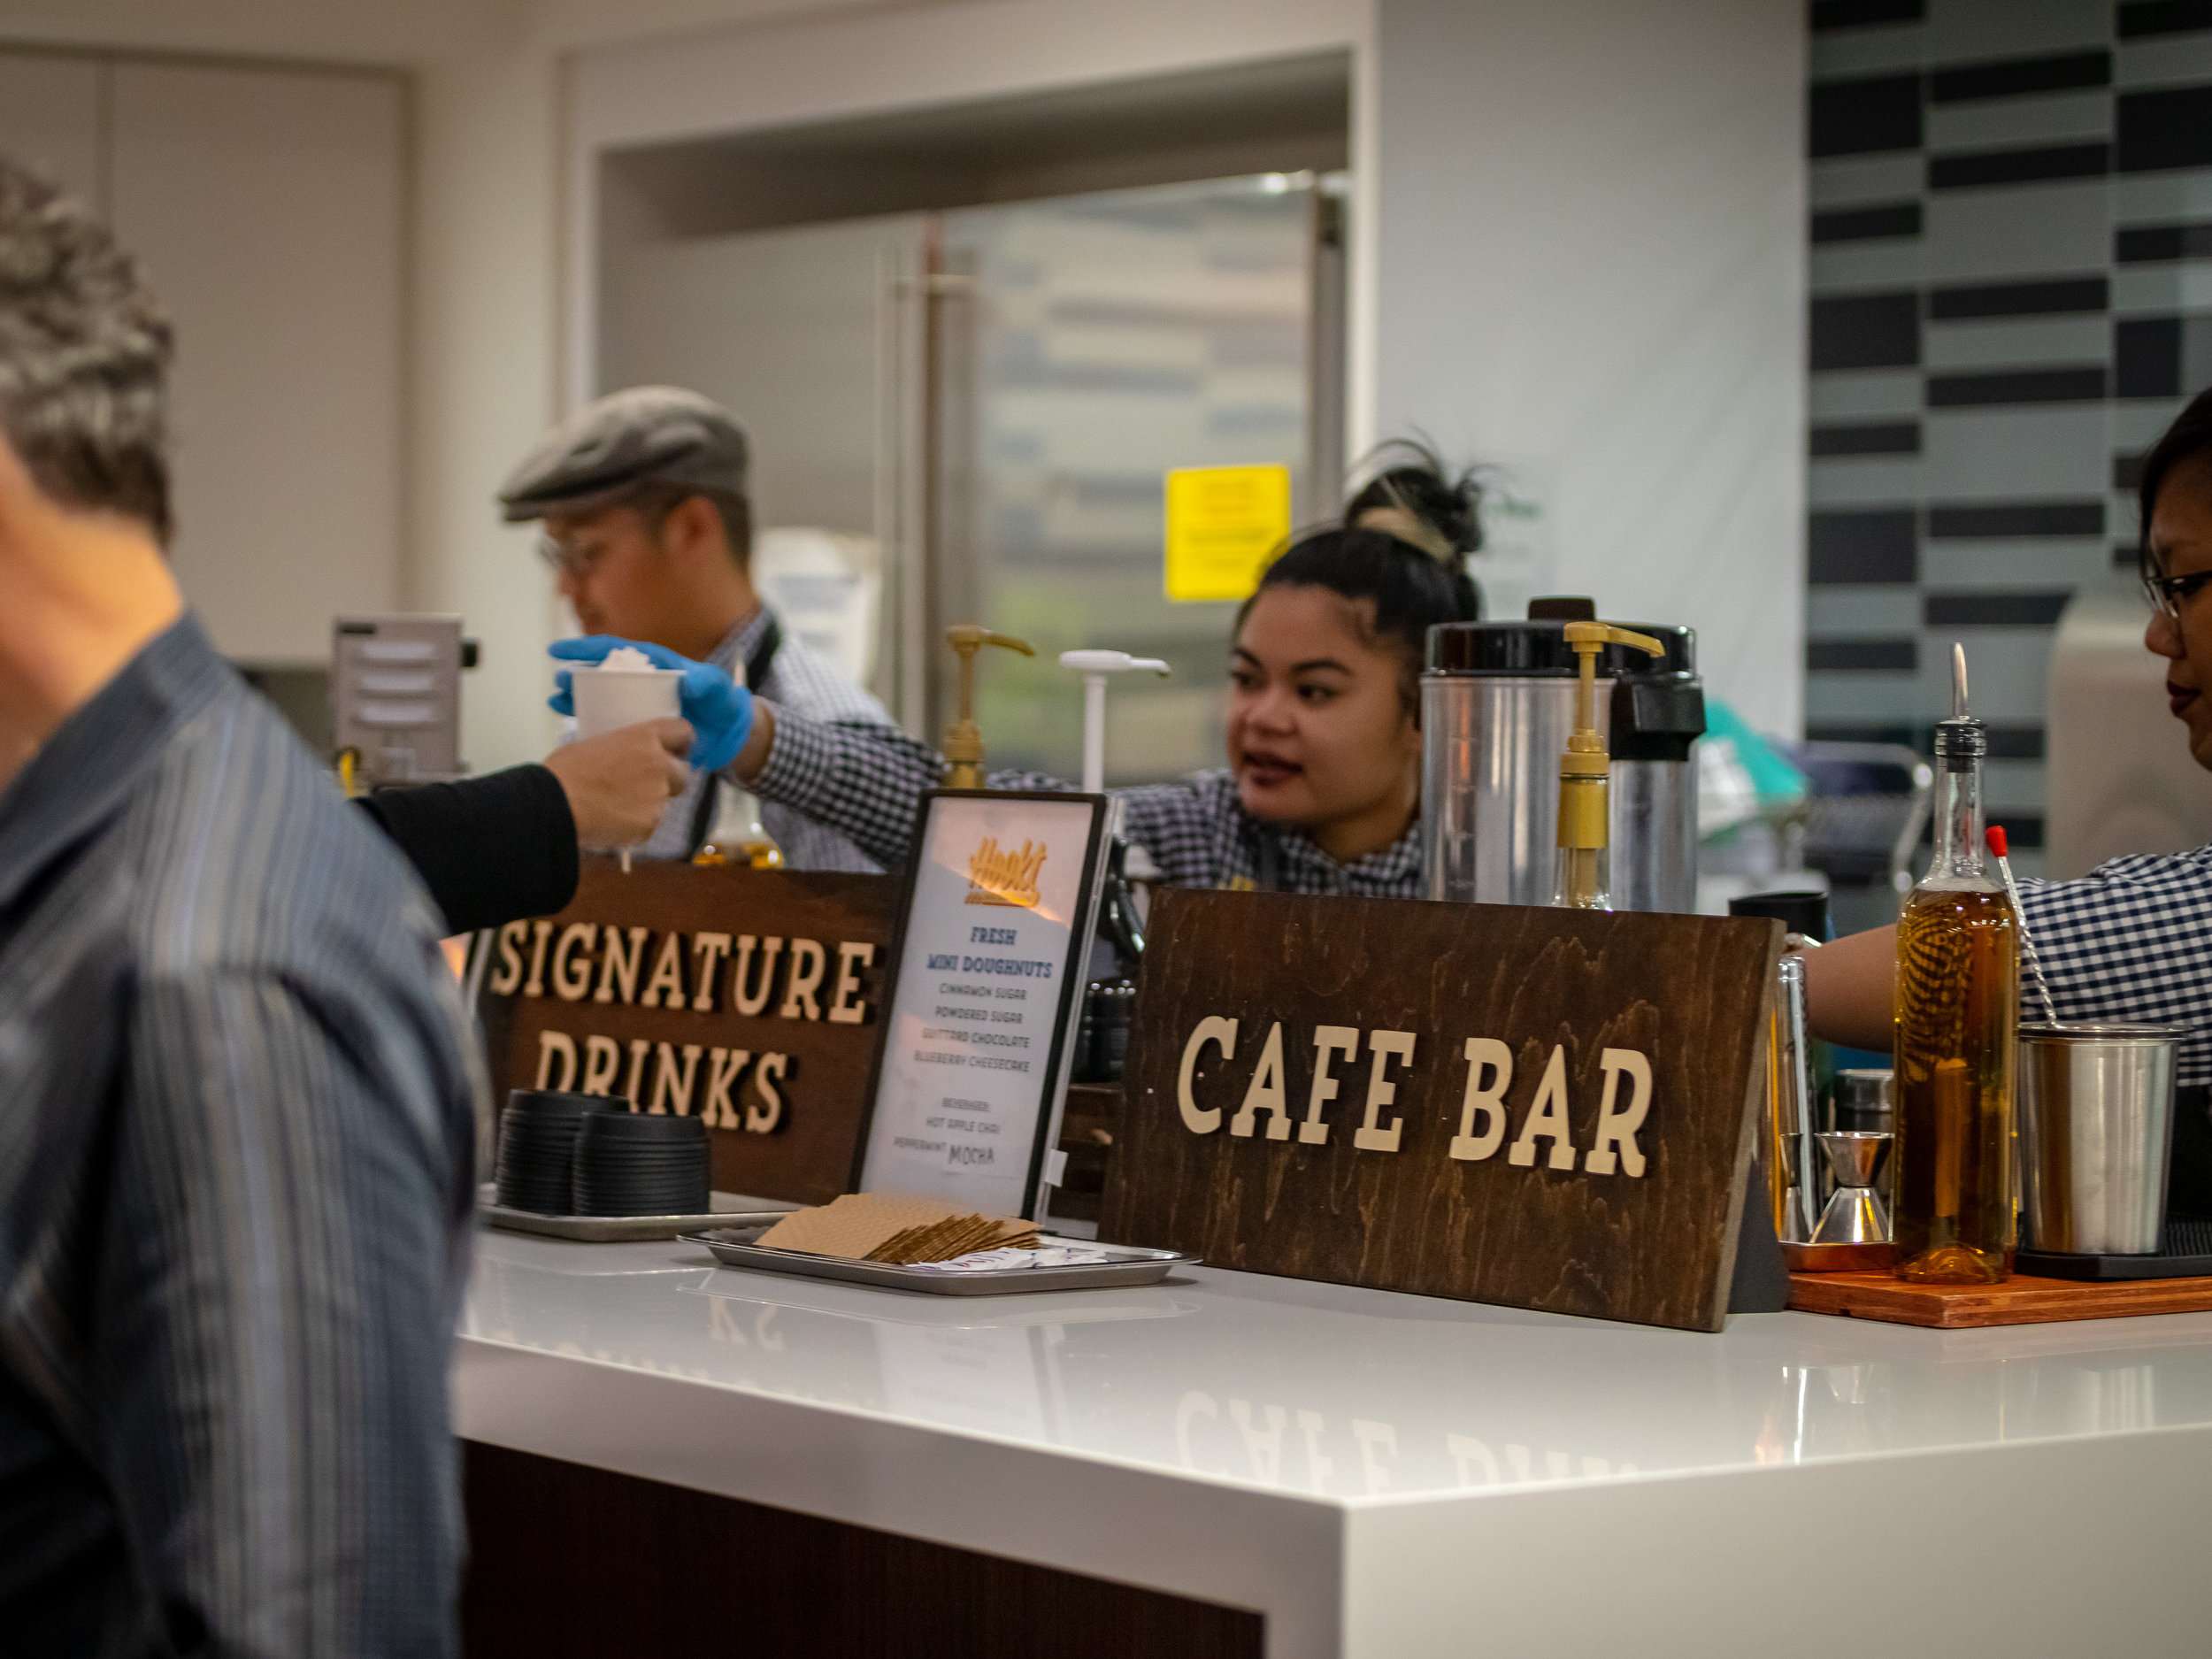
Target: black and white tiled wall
<point>2011,274</point>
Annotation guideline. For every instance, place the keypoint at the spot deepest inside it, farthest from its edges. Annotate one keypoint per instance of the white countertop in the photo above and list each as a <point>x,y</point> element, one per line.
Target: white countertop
<point>1382,1473</point>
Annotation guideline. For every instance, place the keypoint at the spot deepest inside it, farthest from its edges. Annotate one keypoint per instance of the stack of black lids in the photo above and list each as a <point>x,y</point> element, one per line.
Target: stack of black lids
<point>537,1147</point>
<point>633,1163</point>
<point>1802,912</point>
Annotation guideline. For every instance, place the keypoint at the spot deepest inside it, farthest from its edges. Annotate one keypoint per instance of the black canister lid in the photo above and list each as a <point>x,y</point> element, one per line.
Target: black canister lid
<point>1539,650</point>
<point>1801,912</point>
<point>1656,718</point>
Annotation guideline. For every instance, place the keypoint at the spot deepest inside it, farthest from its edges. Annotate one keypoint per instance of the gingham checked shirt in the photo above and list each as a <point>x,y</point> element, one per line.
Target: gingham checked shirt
<point>804,681</point>
<point>2130,941</point>
<point>866,779</point>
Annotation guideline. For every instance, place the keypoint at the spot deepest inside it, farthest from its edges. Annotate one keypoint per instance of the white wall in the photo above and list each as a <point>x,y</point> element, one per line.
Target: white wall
<point>265,205</point>
<point>286,284</point>
<point>1584,244</point>
<point>51,118</point>
<point>491,287</point>
<point>1577,244</point>
<point>881,60</point>
<point>1591,257</point>
<point>484,372</point>
<point>484,320</point>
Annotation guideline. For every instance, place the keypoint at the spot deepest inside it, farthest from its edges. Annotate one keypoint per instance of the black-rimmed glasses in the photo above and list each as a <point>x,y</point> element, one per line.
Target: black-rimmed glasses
<point>2169,593</point>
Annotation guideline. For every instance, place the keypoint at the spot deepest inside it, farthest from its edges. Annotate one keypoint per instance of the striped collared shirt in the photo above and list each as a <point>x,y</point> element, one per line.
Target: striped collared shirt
<point>867,780</point>
<point>236,1128</point>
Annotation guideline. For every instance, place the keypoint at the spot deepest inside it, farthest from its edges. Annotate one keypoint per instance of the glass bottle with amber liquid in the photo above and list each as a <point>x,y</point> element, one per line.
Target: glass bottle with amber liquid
<point>1958,980</point>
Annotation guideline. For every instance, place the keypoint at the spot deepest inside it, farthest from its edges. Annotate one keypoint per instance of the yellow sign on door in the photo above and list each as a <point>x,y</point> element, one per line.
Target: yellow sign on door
<point>1223,523</point>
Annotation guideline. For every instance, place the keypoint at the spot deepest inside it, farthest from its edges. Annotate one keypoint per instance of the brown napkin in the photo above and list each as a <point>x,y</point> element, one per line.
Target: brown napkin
<point>895,1228</point>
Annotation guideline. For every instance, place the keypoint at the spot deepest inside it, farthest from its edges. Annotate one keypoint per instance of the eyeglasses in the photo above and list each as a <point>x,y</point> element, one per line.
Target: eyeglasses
<point>575,561</point>
<point>2168,593</point>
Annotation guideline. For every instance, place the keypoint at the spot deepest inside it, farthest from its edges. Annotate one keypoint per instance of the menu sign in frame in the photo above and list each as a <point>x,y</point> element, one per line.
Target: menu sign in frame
<point>988,973</point>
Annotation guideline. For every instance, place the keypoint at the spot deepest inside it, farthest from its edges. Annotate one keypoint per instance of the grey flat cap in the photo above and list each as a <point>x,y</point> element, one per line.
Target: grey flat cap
<point>656,434</point>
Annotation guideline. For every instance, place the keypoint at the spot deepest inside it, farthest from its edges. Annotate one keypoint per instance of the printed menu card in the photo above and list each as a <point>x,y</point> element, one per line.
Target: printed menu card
<point>990,987</point>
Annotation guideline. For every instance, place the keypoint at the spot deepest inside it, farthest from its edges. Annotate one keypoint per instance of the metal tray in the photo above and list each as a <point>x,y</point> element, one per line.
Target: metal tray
<point>733,1247</point>
<point>729,1208</point>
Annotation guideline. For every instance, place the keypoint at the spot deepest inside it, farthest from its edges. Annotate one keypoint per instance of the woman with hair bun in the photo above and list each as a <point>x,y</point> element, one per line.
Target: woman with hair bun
<point>1417,503</point>
<point>1322,789</point>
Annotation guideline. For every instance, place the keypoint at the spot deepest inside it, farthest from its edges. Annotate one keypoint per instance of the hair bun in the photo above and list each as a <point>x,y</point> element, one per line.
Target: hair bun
<point>1417,502</point>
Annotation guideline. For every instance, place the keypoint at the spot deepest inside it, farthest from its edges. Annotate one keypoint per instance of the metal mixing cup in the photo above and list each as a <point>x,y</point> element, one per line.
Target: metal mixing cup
<point>2096,1127</point>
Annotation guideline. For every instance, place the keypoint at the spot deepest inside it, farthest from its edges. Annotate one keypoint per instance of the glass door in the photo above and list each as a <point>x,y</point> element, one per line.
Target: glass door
<point>1080,348</point>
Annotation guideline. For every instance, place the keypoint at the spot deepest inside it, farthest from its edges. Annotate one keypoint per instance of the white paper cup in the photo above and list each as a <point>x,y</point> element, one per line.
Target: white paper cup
<point>608,699</point>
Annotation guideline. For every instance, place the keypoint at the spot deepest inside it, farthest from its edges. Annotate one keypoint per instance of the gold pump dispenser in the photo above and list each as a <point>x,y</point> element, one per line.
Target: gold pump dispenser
<point>1584,773</point>
<point>963,739</point>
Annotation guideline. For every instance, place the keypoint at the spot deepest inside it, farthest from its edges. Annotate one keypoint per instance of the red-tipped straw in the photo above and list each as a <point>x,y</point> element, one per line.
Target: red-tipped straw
<point>1995,837</point>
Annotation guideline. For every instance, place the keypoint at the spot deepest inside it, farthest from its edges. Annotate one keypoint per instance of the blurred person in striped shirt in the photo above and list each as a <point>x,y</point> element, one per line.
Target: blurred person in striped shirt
<point>236,1090</point>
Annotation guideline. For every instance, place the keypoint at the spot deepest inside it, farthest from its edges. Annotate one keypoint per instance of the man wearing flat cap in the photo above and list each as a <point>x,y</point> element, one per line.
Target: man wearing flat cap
<point>649,527</point>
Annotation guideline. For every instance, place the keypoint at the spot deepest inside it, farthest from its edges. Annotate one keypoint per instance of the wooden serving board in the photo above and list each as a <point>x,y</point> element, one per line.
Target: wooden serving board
<point>2020,1299</point>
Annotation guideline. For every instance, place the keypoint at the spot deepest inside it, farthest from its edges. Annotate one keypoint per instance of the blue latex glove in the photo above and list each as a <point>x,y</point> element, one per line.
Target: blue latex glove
<point>720,710</point>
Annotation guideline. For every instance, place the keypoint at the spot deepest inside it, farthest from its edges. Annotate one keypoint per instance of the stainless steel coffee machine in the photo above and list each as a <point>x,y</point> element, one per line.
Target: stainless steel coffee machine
<point>1497,707</point>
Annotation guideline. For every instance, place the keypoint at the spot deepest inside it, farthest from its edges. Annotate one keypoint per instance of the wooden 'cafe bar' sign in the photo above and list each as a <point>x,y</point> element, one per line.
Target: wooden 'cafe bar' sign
<point>1547,1107</point>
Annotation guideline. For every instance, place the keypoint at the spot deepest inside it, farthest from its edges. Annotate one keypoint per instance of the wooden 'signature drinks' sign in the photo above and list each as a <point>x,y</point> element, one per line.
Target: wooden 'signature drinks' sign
<point>749,998</point>
<point>1550,1109</point>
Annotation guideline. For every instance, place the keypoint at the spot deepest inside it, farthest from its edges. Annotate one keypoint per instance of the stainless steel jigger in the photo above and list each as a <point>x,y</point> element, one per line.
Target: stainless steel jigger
<point>1855,1214</point>
<point>1794,1210</point>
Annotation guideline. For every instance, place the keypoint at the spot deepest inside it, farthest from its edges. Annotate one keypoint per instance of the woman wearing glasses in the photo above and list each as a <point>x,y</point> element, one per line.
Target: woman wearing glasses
<point>2177,560</point>
<point>2132,940</point>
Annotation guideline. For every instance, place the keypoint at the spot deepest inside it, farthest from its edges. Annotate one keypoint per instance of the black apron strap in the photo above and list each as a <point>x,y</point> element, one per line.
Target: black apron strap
<point>762,656</point>
<point>758,661</point>
<point>703,814</point>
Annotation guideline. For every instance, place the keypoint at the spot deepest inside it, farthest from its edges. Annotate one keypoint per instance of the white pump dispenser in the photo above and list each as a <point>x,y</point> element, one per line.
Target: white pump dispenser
<point>1094,666</point>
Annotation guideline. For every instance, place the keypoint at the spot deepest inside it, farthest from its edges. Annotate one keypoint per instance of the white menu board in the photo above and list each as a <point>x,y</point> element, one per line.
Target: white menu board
<point>990,980</point>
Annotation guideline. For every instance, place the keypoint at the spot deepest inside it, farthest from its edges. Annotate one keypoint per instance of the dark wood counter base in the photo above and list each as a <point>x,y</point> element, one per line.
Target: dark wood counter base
<point>566,1560</point>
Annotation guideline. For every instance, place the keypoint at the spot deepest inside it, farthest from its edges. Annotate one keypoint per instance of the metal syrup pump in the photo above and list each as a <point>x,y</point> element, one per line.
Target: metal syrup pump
<point>1584,772</point>
<point>963,739</point>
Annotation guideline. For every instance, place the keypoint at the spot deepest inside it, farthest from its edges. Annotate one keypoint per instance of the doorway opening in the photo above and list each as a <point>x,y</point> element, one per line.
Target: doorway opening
<point>968,344</point>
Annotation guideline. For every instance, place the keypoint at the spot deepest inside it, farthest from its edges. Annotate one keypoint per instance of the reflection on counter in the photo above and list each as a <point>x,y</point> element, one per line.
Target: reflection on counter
<point>1368,1448</point>
<point>1318,1389</point>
